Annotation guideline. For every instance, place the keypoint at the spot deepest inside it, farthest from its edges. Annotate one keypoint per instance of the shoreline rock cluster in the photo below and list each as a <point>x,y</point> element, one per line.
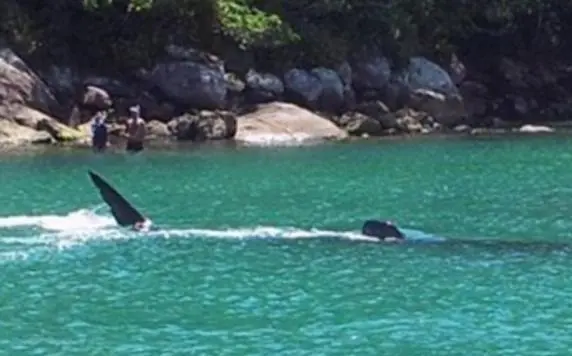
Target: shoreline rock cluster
<point>195,96</point>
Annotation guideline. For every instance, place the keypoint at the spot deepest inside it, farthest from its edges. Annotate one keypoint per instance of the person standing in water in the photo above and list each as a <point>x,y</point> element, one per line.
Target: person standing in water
<point>99,135</point>
<point>135,130</point>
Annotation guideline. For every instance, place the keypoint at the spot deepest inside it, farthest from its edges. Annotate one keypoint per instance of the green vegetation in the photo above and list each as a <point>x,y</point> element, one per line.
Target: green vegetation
<point>125,34</point>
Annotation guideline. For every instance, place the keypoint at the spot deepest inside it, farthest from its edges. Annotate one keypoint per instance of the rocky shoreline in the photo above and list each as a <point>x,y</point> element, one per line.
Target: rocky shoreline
<point>190,96</point>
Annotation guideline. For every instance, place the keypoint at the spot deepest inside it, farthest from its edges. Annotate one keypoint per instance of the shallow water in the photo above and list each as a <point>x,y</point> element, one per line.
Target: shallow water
<point>259,251</point>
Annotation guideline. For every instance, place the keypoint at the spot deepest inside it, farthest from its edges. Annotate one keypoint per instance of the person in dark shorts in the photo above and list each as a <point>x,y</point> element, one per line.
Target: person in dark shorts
<point>135,130</point>
<point>99,132</point>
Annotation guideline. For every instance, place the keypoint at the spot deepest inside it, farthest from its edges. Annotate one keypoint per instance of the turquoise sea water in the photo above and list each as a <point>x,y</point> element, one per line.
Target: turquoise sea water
<point>259,251</point>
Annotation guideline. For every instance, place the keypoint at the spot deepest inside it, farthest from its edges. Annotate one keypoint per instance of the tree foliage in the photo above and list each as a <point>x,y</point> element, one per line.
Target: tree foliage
<point>132,33</point>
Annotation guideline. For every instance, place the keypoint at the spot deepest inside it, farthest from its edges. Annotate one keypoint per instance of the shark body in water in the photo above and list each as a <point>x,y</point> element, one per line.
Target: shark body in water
<point>126,215</point>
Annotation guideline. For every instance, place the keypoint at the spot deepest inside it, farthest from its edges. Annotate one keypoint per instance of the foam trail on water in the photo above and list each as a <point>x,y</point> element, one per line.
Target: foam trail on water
<point>84,219</point>
<point>20,248</point>
<point>261,232</point>
<point>59,232</point>
<point>49,232</point>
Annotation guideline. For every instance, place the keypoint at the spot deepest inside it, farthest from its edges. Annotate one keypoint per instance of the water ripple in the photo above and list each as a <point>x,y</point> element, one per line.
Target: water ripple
<point>213,291</point>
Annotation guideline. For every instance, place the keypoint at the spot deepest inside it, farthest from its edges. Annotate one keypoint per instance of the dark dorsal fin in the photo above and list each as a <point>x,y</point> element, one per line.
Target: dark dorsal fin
<point>123,212</point>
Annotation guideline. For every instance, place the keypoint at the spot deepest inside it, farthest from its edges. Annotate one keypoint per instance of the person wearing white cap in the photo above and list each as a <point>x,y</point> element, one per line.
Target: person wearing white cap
<point>135,130</point>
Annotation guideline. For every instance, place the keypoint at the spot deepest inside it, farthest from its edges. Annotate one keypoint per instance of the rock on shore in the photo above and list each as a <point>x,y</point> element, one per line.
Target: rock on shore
<point>284,123</point>
<point>25,106</point>
<point>193,96</point>
<point>12,134</point>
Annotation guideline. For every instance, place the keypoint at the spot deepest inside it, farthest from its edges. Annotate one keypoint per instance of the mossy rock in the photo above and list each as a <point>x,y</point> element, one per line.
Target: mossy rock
<point>67,134</point>
<point>61,132</point>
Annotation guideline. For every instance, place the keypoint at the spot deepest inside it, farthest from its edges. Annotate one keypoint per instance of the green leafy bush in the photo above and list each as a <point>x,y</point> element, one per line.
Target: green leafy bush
<point>125,34</point>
